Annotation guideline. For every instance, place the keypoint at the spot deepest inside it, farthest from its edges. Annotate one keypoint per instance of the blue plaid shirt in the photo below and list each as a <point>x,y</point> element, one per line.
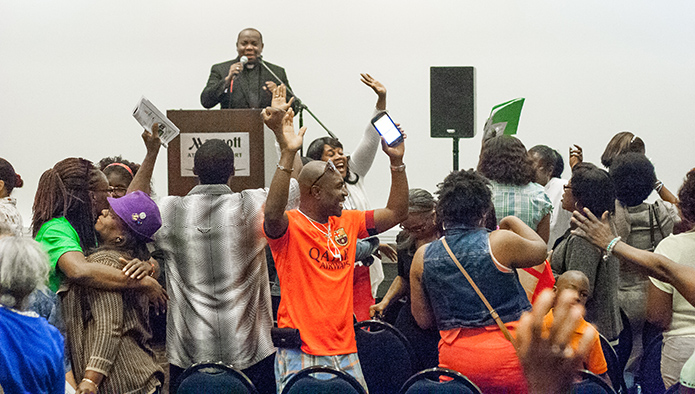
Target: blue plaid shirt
<point>528,202</point>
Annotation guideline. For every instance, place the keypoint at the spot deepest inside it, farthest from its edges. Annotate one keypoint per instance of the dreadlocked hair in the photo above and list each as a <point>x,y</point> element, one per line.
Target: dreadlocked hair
<point>64,191</point>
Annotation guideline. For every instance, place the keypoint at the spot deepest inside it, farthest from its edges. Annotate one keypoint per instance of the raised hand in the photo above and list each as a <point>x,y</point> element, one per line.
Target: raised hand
<point>549,361</point>
<point>272,117</point>
<point>286,136</point>
<point>279,99</point>
<point>395,153</point>
<point>576,155</point>
<point>378,88</point>
<point>151,139</point>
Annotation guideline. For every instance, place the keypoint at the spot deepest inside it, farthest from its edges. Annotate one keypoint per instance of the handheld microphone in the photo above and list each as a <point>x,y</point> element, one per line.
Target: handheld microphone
<point>243,60</point>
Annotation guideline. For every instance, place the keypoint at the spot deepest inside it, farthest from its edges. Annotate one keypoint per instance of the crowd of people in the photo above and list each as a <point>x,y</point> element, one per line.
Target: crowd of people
<point>77,293</point>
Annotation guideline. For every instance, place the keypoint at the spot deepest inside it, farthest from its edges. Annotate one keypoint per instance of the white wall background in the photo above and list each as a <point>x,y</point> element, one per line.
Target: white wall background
<point>72,71</point>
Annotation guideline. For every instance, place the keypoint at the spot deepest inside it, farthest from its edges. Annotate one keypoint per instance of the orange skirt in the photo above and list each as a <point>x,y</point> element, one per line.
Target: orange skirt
<point>485,356</point>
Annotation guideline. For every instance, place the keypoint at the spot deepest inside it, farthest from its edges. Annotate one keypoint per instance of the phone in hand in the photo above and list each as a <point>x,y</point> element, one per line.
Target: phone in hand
<point>385,126</point>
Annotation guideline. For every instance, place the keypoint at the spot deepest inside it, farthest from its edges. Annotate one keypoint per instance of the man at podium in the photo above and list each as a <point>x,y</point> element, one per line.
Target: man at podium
<point>239,84</point>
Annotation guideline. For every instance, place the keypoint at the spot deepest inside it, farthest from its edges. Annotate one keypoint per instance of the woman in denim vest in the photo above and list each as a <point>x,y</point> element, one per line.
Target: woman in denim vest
<point>472,343</point>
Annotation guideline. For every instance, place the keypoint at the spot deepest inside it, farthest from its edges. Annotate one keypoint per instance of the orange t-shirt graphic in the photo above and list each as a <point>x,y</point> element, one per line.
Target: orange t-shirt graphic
<point>315,267</point>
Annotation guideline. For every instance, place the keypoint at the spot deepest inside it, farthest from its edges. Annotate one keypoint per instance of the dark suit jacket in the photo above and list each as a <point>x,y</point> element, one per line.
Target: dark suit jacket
<point>247,86</point>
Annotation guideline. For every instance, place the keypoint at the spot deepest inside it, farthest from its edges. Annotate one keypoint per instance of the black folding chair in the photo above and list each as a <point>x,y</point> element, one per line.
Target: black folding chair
<point>591,384</point>
<point>428,382</point>
<point>214,377</point>
<point>385,356</point>
<point>339,383</point>
<point>615,371</point>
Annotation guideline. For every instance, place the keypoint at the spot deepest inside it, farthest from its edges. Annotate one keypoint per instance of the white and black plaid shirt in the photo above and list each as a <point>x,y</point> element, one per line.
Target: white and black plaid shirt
<point>217,278</point>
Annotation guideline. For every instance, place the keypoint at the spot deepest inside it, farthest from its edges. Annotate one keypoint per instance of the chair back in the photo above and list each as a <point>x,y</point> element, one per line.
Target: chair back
<point>385,356</point>
<point>328,380</point>
<point>615,372</point>
<point>591,384</point>
<point>673,389</point>
<point>214,377</point>
<point>429,381</point>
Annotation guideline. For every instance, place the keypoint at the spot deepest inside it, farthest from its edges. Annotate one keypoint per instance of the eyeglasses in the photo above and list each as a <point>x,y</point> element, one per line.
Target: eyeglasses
<point>567,187</point>
<point>329,167</point>
<point>116,191</point>
<point>413,229</point>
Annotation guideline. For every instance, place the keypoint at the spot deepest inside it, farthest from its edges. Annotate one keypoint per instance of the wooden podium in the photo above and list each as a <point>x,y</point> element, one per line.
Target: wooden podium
<point>242,129</point>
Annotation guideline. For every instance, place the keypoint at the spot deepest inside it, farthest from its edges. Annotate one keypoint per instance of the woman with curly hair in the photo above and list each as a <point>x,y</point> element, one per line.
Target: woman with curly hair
<point>9,214</point>
<point>472,341</point>
<point>119,172</point>
<point>666,307</point>
<point>506,163</point>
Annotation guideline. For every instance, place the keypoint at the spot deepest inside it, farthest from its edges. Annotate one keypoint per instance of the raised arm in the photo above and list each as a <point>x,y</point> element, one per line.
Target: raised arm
<point>397,205</point>
<point>143,178</point>
<point>516,245</point>
<point>276,222</point>
<point>599,233</point>
<point>362,158</point>
<point>576,155</point>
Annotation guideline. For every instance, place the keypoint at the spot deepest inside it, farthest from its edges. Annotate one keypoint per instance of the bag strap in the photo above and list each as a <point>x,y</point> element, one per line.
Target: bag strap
<point>658,222</point>
<point>493,312</point>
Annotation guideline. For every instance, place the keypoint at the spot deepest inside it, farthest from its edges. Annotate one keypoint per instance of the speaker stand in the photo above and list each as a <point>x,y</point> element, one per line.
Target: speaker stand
<point>456,153</point>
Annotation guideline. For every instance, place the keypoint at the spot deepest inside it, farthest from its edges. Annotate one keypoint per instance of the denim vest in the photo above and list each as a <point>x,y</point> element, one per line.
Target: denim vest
<point>454,302</point>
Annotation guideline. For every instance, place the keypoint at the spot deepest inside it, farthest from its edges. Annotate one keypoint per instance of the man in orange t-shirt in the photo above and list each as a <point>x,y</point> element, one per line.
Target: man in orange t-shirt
<point>314,252</point>
<point>595,360</point>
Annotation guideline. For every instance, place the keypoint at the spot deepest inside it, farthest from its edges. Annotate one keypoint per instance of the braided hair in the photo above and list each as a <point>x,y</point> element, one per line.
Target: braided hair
<point>66,191</point>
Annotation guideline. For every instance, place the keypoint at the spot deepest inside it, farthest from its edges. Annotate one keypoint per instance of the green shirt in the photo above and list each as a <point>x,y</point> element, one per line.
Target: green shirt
<point>57,236</point>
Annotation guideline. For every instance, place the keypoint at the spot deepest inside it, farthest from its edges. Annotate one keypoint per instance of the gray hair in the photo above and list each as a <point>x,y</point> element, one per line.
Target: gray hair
<point>23,267</point>
<point>420,200</point>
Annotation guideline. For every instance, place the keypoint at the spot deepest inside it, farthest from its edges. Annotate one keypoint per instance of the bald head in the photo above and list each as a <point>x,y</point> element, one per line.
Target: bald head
<point>310,173</point>
<point>574,280</point>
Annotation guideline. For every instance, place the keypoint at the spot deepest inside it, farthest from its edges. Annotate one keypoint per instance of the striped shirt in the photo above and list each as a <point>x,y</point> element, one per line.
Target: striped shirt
<point>108,333</point>
<point>217,277</point>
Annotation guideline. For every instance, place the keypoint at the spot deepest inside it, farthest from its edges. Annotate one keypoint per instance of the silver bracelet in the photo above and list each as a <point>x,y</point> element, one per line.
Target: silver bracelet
<point>399,168</point>
<point>658,185</point>
<point>283,168</point>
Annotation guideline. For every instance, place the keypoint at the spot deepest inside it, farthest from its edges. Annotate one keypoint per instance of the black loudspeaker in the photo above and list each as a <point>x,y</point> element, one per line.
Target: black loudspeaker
<point>452,102</point>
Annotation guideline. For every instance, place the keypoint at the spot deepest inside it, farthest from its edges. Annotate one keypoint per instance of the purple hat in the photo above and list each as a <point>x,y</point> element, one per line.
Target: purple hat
<point>139,213</point>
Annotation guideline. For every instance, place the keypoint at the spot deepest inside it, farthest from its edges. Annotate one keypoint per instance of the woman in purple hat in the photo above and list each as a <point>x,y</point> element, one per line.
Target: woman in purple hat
<point>109,330</point>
